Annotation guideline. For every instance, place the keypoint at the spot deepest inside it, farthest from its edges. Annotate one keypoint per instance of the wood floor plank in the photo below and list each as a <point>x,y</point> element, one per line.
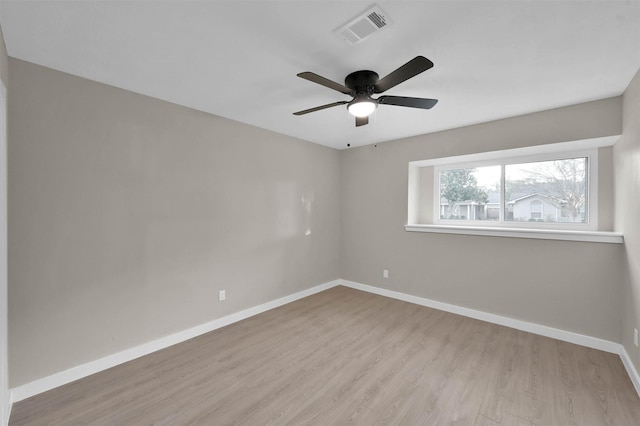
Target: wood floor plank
<point>349,357</point>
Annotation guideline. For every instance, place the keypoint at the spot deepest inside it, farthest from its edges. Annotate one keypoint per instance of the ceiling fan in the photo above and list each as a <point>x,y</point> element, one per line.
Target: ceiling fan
<point>361,85</point>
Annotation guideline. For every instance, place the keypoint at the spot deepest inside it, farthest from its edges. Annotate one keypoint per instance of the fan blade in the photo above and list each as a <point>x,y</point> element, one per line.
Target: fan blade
<point>361,121</point>
<point>407,102</point>
<point>324,82</point>
<point>404,73</point>
<point>318,108</point>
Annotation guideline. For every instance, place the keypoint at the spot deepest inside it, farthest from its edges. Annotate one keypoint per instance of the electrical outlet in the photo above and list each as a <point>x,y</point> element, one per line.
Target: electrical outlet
<point>635,336</point>
<point>222,295</point>
<point>385,273</point>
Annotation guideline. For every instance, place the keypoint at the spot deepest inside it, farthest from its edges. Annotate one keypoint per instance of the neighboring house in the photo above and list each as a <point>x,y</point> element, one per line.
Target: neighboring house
<point>533,208</point>
<point>473,210</point>
<point>464,210</point>
<point>536,207</point>
<point>522,207</point>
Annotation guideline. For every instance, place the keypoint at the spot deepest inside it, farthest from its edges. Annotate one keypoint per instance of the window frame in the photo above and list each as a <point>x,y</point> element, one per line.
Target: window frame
<point>591,189</point>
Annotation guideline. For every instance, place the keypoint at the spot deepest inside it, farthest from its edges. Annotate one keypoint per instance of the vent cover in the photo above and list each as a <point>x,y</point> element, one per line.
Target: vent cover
<point>360,28</point>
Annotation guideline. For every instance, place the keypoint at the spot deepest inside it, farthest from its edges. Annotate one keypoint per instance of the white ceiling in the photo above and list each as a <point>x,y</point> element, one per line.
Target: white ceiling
<point>239,59</point>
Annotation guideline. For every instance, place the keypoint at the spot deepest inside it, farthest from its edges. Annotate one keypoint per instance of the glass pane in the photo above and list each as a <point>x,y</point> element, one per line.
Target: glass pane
<point>547,191</point>
<point>470,194</point>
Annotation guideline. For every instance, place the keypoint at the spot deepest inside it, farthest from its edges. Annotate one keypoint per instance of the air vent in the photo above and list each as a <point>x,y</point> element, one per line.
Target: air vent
<point>360,28</point>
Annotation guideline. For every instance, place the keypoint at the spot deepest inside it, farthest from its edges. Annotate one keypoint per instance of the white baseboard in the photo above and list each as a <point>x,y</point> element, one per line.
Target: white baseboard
<point>554,333</point>
<point>567,336</point>
<point>631,369</point>
<point>58,379</point>
<point>67,376</point>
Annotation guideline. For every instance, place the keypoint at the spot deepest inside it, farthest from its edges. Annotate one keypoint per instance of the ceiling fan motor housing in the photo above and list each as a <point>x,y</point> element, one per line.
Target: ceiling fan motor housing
<point>362,82</point>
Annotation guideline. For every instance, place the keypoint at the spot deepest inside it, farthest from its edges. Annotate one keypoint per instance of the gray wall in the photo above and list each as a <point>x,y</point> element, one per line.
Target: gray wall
<point>4,383</point>
<point>4,62</point>
<point>627,220</point>
<point>128,214</point>
<point>569,285</point>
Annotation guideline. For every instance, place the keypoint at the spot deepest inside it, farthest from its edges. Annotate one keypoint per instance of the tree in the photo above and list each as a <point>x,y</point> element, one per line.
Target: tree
<point>564,182</point>
<point>460,185</point>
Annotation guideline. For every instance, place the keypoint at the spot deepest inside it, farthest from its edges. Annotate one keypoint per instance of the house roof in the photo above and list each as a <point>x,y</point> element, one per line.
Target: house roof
<point>239,59</point>
<point>519,197</point>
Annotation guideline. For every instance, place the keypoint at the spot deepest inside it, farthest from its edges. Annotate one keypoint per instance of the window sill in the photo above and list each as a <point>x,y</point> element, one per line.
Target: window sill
<point>540,234</point>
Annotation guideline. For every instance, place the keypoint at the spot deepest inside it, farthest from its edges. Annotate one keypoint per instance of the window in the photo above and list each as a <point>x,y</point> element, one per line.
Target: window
<point>545,190</point>
<point>555,191</point>
<point>470,193</point>
<point>549,191</point>
<point>536,210</point>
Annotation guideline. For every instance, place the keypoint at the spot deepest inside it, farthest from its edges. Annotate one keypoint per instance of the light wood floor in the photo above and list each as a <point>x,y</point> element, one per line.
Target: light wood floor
<point>344,356</point>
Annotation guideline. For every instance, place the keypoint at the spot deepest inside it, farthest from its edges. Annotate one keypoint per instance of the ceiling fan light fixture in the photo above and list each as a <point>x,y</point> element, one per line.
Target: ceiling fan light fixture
<point>362,107</point>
